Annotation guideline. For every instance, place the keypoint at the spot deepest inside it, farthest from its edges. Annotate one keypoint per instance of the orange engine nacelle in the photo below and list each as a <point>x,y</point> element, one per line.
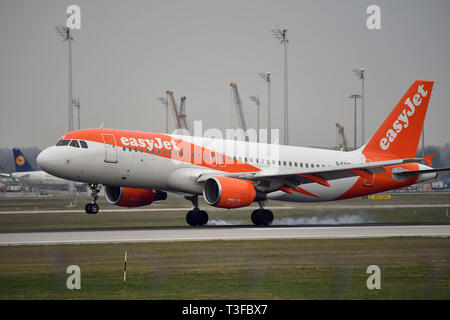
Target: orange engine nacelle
<point>228,193</point>
<point>131,197</point>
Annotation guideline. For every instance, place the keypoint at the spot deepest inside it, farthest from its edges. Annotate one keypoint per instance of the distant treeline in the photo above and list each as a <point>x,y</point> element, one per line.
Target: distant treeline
<point>440,160</point>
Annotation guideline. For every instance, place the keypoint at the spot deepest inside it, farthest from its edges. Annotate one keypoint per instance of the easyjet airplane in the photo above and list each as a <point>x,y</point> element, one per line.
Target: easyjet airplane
<point>138,168</point>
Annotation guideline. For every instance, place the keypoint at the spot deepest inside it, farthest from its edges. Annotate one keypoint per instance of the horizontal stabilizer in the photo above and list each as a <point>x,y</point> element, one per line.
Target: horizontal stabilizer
<point>422,171</point>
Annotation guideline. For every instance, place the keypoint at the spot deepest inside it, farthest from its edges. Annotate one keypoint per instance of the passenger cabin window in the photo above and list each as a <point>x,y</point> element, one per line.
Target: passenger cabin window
<point>74,143</point>
<point>62,143</point>
<point>83,144</point>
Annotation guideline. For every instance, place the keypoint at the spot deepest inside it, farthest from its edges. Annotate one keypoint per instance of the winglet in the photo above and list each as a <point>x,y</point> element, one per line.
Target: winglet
<point>428,159</point>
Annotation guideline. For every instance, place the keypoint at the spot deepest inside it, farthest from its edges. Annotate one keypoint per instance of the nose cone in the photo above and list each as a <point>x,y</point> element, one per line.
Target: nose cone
<point>44,160</point>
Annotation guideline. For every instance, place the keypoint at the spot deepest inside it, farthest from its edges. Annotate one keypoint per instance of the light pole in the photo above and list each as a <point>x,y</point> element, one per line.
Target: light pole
<point>258,106</point>
<point>360,75</point>
<point>65,32</point>
<point>266,78</point>
<point>281,34</point>
<point>76,103</point>
<point>355,96</point>
<point>165,103</point>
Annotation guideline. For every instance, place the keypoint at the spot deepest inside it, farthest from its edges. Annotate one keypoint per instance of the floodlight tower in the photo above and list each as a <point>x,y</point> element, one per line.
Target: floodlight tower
<point>165,103</point>
<point>266,78</point>
<point>65,32</point>
<point>281,34</point>
<point>355,96</point>
<point>76,104</point>
<point>359,73</point>
<point>258,107</point>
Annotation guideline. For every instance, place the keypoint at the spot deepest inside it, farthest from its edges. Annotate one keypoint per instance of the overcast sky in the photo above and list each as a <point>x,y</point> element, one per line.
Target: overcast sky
<point>128,53</point>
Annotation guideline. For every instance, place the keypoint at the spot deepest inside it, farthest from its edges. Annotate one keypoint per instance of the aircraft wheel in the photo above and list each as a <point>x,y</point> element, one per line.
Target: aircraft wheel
<point>262,217</point>
<point>256,217</point>
<point>202,217</point>
<point>94,208</point>
<point>196,218</point>
<point>190,218</point>
<point>88,208</point>
<point>266,217</point>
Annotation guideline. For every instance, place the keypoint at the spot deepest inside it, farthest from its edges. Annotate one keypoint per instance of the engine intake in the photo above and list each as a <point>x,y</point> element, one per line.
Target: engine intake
<point>224,192</point>
<point>131,197</point>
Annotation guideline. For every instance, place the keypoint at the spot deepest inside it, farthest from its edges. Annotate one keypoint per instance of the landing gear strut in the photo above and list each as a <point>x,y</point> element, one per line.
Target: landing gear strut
<point>261,216</point>
<point>92,208</point>
<point>196,217</point>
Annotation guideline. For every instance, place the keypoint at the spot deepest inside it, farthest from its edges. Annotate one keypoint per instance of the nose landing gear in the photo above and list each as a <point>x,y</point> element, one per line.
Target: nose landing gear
<point>196,217</point>
<point>93,208</point>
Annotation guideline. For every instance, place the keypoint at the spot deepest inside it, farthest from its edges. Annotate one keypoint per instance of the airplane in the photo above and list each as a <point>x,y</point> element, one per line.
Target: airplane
<point>138,168</point>
<point>26,173</point>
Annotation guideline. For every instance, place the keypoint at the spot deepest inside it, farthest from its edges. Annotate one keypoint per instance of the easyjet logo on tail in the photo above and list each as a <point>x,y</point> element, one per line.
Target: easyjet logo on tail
<point>402,121</point>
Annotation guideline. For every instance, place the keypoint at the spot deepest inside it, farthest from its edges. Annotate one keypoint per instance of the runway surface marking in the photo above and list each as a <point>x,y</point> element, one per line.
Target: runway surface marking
<point>205,233</point>
<point>132,210</point>
<point>319,207</point>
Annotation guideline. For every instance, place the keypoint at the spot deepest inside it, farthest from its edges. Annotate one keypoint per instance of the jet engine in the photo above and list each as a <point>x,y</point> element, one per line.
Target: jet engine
<point>131,197</point>
<point>224,192</point>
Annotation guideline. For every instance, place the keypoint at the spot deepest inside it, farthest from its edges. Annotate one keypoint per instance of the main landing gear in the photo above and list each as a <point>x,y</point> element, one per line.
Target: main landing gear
<point>196,217</point>
<point>261,216</point>
<point>92,208</point>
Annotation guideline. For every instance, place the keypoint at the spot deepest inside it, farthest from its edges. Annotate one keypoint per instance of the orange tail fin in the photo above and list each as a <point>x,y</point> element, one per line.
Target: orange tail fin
<point>398,136</point>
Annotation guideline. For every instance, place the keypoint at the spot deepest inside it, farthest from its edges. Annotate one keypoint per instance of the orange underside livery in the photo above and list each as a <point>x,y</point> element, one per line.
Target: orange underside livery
<point>380,182</point>
<point>187,152</point>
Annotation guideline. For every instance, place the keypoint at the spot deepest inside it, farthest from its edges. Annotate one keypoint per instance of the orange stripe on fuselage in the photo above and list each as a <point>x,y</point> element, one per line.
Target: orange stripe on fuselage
<point>168,147</point>
<point>382,182</point>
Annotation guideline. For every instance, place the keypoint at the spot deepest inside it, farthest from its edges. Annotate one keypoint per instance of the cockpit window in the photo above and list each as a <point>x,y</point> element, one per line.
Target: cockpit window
<point>83,144</point>
<point>62,143</point>
<point>74,143</point>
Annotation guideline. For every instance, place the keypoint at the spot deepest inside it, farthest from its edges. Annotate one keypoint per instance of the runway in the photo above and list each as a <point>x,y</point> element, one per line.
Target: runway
<point>185,209</point>
<point>169,234</point>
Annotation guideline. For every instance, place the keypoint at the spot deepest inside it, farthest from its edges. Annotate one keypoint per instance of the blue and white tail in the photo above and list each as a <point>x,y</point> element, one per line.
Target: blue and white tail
<point>22,164</point>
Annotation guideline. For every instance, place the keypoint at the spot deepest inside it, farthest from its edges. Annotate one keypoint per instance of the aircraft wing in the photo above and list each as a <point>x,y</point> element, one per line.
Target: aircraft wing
<point>321,175</point>
<point>7,175</point>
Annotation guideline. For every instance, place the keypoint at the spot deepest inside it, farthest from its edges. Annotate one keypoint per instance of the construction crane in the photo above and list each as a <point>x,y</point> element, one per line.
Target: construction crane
<point>238,107</point>
<point>165,103</point>
<point>180,119</point>
<point>342,143</point>
<point>182,113</point>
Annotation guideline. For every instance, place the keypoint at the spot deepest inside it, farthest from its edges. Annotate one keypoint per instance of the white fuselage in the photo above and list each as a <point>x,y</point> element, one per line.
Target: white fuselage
<point>118,166</point>
<point>38,177</point>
